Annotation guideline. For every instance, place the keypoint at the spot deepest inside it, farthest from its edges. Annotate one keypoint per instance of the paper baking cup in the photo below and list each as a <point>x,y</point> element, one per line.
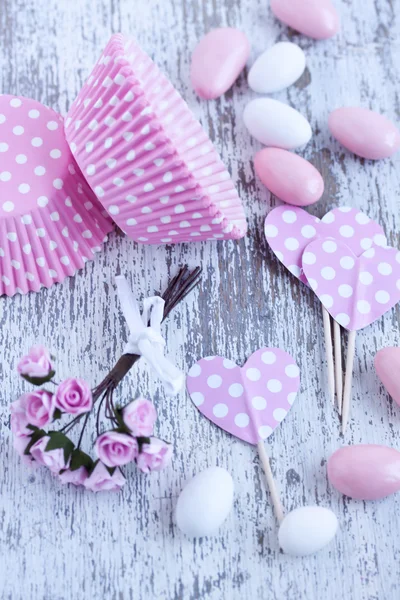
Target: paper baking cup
<point>146,157</point>
<point>50,221</point>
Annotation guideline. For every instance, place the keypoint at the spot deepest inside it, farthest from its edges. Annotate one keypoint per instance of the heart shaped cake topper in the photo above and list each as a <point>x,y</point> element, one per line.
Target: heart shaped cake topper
<point>355,290</point>
<point>248,402</point>
<point>290,229</point>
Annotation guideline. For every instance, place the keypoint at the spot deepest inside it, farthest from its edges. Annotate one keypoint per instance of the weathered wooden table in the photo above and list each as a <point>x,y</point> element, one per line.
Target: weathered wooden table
<point>63,543</point>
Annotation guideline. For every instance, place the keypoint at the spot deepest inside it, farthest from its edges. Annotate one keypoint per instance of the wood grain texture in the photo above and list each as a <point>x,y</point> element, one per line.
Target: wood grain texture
<point>59,543</point>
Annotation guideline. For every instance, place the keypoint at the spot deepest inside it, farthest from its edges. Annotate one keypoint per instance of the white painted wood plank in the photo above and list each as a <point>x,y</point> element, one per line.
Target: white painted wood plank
<point>61,543</point>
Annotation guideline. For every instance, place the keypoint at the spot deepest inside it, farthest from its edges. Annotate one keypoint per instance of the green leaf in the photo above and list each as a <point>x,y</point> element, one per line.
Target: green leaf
<point>118,416</point>
<point>123,429</point>
<point>35,437</point>
<point>31,427</point>
<point>94,465</point>
<point>57,414</point>
<point>141,441</point>
<point>80,459</point>
<point>39,380</point>
<point>60,440</point>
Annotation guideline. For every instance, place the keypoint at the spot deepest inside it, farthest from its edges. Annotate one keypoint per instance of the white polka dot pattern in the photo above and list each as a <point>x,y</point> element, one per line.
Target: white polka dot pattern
<point>146,157</point>
<point>248,402</point>
<point>290,229</point>
<point>43,213</point>
<point>355,296</point>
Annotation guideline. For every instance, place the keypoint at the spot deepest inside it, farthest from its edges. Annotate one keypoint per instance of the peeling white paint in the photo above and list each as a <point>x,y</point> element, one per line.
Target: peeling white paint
<point>57,542</point>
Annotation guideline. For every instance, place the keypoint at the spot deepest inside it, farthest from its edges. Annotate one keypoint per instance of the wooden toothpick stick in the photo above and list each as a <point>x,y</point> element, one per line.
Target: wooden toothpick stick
<point>329,353</point>
<point>276,501</point>
<point>348,379</point>
<point>338,365</point>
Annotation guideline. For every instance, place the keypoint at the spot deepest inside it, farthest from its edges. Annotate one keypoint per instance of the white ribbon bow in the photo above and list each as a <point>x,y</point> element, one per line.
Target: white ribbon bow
<point>146,340</point>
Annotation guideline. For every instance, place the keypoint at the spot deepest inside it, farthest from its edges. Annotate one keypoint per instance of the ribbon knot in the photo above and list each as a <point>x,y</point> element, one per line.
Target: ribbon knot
<point>150,335</point>
<point>145,337</point>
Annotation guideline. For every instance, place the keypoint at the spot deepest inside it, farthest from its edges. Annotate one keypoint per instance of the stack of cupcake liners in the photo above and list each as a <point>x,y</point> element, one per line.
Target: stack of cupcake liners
<point>50,221</point>
<point>130,151</point>
<point>146,157</point>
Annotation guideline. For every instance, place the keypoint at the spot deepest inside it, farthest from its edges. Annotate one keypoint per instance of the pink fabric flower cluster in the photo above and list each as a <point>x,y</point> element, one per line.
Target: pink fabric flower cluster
<point>132,442</point>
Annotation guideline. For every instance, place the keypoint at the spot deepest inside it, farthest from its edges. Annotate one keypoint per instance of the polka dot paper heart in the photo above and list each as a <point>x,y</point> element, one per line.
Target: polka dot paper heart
<point>355,290</point>
<point>248,402</point>
<point>290,230</point>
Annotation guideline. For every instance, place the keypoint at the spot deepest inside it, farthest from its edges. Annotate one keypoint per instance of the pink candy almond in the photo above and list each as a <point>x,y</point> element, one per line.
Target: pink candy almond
<point>217,61</point>
<point>364,132</point>
<point>289,177</point>
<point>315,18</point>
<point>387,366</point>
<point>365,472</point>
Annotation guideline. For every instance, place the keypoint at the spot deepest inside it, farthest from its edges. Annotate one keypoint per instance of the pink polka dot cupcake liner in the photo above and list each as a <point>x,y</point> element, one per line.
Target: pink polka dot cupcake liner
<point>50,221</point>
<point>146,157</point>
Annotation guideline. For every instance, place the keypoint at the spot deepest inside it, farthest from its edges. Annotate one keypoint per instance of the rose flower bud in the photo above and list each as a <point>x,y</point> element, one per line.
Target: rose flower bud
<point>154,456</point>
<point>100,479</point>
<point>139,417</point>
<point>115,449</point>
<point>20,444</point>
<point>53,459</point>
<point>73,396</point>
<point>38,407</point>
<point>36,364</point>
<point>19,420</point>
<point>77,477</point>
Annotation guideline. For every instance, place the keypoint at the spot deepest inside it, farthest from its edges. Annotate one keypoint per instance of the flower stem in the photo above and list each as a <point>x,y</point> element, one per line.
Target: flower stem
<point>83,429</point>
<point>99,411</point>
<point>73,422</point>
<point>178,288</point>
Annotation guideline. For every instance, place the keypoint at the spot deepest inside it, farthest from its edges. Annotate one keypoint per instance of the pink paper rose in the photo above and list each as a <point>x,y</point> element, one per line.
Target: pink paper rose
<point>19,420</point>
<point>139,416</point>
<point>77,477</point>
<point>38,407</point>
<point>74,396</point>
<point>53,459</point>
<point>154,456</point>
<point>116,449</point>
<point>20,443</point>
<point>37,363</point>
<point>100,479</point>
